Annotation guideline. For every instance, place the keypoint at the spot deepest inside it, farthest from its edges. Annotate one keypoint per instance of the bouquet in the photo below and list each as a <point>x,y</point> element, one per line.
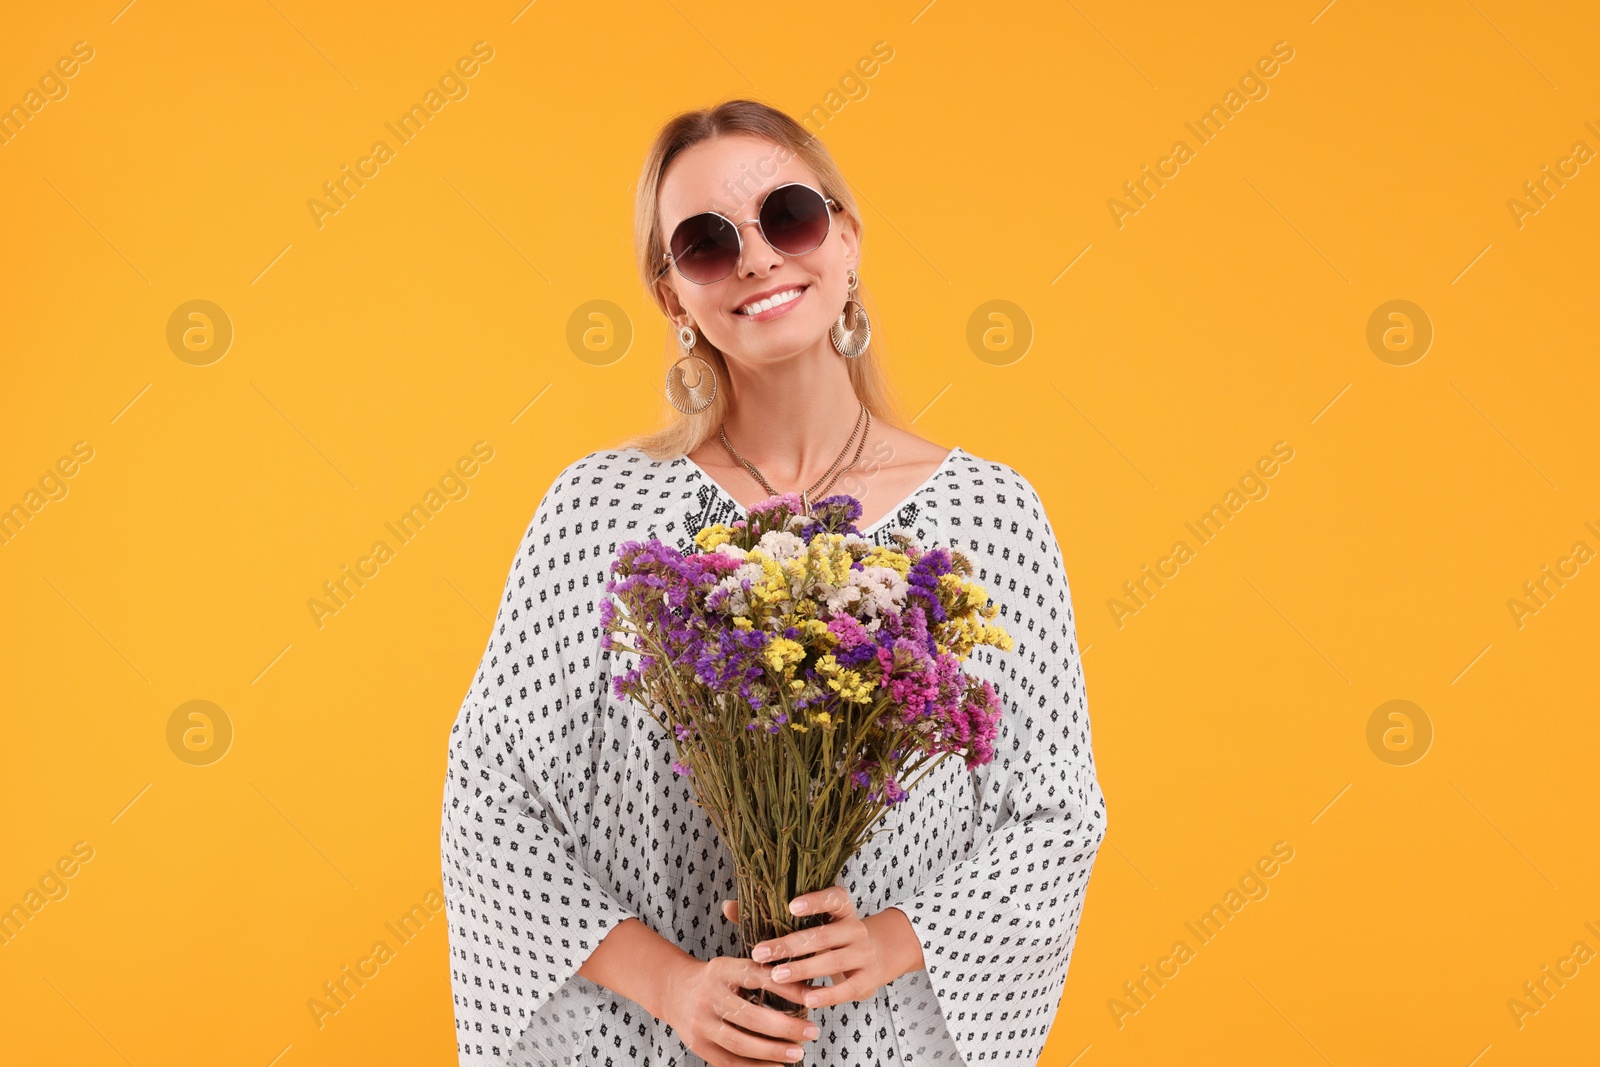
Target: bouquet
<point>808,680</point>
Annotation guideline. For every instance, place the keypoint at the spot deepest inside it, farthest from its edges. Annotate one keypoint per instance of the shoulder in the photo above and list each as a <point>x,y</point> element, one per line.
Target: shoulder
<point>602,477</point>
<point>993,487</point>
<point>611,495</point>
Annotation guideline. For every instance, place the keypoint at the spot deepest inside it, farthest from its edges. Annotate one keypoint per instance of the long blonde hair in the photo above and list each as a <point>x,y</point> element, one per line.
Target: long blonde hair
<point>684,433</point>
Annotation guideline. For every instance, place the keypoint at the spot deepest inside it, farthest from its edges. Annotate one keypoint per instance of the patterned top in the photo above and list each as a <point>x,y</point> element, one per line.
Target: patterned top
<point>562,817</point>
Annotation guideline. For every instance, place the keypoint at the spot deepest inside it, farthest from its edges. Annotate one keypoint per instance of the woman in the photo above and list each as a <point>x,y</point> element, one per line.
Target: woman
<point>591,918</point>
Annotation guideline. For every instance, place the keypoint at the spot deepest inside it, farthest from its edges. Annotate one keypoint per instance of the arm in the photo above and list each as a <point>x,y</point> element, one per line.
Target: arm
<point>524,913</point>
<point>636,962</point>
<point>899,944</point>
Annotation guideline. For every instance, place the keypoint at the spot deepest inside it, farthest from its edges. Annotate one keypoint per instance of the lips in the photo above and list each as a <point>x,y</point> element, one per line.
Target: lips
<point>761,304</point>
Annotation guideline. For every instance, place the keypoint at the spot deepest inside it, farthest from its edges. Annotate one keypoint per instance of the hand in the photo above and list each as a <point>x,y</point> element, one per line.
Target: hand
<point>713,1021</point>
<point>844,949</point>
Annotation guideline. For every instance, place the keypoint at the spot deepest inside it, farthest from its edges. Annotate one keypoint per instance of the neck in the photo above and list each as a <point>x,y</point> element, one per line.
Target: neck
<point>791,418</point>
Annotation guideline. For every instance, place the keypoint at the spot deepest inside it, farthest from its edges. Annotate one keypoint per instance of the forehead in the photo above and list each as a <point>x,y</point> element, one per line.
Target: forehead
<point>727,174</point>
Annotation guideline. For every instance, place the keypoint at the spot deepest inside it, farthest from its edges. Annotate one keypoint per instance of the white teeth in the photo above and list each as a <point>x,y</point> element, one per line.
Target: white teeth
<point>770,302</point>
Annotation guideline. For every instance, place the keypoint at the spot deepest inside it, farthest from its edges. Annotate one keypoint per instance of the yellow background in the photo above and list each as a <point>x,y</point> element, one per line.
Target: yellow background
<point>1229,313</point>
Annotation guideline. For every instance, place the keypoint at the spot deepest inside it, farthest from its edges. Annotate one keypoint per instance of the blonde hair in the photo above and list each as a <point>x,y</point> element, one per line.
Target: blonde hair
<point>684,433</point>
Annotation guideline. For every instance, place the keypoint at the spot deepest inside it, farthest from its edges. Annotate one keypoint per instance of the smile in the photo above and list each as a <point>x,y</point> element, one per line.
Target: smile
<point>757,309</point>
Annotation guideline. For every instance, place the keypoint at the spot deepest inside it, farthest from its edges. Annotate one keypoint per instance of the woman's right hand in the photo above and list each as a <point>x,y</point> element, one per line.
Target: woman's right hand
<point>705,1009</point>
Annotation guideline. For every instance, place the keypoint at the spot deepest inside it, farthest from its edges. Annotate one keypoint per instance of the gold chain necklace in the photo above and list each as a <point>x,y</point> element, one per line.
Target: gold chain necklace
<point>863,426</point>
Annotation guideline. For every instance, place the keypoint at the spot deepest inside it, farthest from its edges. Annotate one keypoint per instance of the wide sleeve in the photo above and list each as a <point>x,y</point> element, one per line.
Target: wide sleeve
<point>524,912</point>
<point>998,925</point>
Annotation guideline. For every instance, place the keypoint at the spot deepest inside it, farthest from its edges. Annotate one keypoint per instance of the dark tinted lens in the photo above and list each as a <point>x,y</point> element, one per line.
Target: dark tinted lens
<point>705,248</point>
<point>794,219</point>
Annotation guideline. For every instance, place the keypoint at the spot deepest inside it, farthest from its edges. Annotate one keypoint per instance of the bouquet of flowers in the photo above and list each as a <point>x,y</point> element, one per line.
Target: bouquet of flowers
<point>808,679</point>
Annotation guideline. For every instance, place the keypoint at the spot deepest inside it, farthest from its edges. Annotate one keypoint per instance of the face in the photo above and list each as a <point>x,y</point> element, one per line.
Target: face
<point>708,177</point>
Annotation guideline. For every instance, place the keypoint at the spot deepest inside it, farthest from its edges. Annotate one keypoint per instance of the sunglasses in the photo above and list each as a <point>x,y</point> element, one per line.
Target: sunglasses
<point>794,219</point>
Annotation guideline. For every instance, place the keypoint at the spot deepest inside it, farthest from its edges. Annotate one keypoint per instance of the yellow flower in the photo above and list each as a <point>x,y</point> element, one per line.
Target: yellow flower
<point>712,536</point>
<point>782,654</point>
<point>883,556</point>
<point>740,622</point>
<point>819,632</point>
<point>848,684</point>
<point>774,584</point>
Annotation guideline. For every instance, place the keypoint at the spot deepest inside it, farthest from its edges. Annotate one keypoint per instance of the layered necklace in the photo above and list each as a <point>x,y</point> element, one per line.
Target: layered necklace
<point>823,484</point>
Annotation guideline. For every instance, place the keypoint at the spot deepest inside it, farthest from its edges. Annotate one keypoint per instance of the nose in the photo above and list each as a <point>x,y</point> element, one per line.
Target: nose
<point>756,256</point>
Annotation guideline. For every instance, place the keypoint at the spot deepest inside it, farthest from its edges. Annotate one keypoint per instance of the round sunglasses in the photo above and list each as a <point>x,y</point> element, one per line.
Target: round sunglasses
<point>794,219</point>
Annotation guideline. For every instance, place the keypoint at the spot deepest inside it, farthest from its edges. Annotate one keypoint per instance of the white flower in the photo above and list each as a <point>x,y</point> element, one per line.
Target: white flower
<point>839,599</point>
<point>782,546</point>
<point>882,588</point>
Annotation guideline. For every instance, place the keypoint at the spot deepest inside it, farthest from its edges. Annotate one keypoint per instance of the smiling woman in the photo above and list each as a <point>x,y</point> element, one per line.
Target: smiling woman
<point>585,884</point>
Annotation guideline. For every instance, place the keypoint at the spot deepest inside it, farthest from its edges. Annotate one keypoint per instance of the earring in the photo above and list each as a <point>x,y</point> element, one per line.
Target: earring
<point>690,397</point>
<point>852,332</point>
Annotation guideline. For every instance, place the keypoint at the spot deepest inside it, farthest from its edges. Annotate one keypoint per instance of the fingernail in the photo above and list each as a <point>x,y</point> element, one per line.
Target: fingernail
<point>811,1001</point>
<point>812,1032</point>
<point>780,973</point>
<point>761,954</point>
<point>799,907</point>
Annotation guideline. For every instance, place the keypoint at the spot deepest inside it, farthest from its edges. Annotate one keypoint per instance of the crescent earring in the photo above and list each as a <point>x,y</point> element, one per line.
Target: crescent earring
<point>852,332</point>
<point>691,381</point>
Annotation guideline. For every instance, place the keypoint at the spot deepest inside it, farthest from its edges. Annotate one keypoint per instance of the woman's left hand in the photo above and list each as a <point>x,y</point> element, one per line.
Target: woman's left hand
<point>843,949</point>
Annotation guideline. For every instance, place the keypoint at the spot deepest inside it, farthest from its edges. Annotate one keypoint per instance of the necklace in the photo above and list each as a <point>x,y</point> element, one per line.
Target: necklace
<point>823,484</point>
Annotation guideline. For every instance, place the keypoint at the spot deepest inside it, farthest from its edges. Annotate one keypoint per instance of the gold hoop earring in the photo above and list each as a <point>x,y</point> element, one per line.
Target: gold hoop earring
<point>690,397</point>
<point>852,332</point>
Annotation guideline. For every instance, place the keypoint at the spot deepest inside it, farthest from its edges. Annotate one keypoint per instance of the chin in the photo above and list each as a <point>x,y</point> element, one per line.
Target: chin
<point>778,339</point>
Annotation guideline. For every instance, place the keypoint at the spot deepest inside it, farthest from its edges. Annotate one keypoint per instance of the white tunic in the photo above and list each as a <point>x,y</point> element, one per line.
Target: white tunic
<point>562,816</point>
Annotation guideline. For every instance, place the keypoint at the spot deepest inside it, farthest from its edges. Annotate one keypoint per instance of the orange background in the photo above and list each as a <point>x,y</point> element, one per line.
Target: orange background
<point>1167,355</point>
